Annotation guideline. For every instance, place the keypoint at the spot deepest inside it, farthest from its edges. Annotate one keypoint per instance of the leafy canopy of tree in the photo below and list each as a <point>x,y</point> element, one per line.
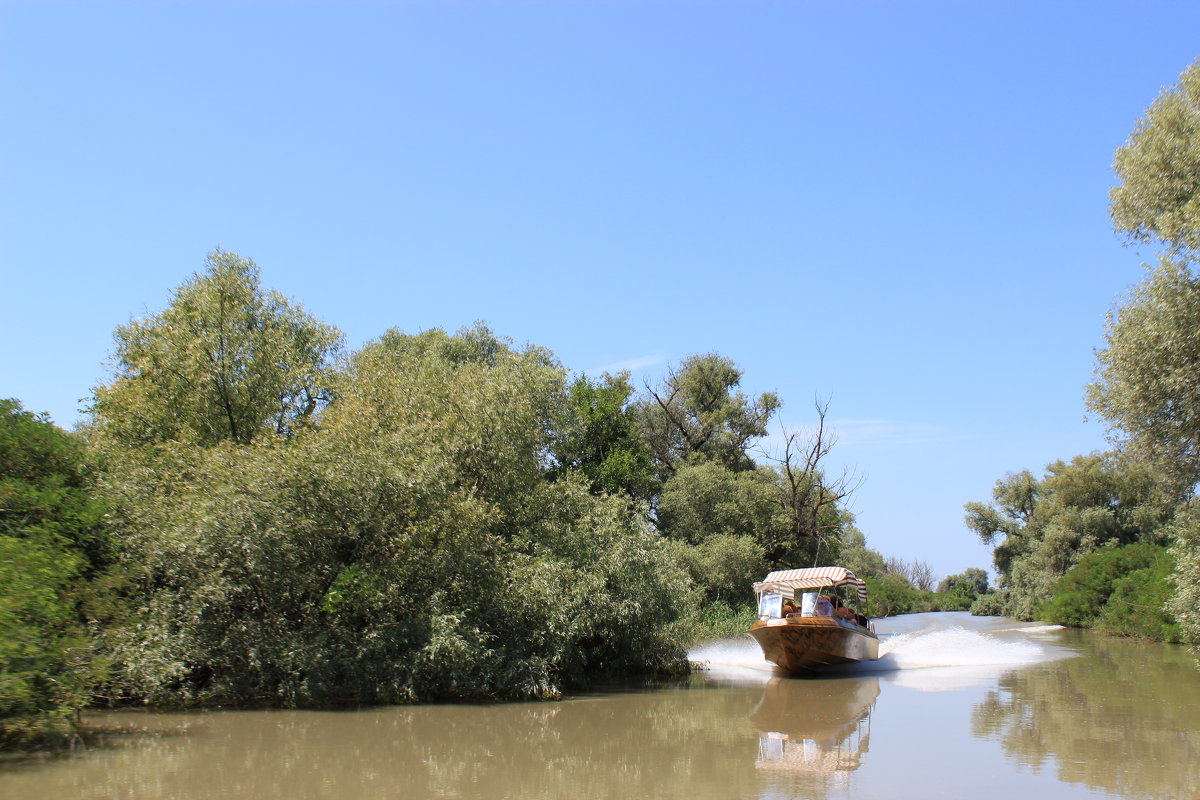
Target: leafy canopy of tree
<point>600,438</point>
<point>697,416</point>
<point>1159,194</point>
<point>225,361</point>
<point>970,583</point>
<point>1146,383</point>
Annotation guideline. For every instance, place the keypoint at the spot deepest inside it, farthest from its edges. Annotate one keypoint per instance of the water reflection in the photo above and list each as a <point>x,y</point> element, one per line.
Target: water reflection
<point>691,743</point>
<point>818,727</point>
<point>1124,718</point>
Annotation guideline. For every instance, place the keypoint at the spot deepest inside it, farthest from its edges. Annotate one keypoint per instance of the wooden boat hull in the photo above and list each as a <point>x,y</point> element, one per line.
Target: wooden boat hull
<point>800,644</point>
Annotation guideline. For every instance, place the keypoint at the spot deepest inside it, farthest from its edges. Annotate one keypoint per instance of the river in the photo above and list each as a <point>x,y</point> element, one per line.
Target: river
<point>956,707</point>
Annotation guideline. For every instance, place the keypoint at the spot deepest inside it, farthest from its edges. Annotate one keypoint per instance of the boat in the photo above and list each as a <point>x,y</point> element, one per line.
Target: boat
<point>807,619</point>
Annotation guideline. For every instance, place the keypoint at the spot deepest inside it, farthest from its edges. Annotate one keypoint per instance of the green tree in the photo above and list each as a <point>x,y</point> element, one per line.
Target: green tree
<point>53,556</point>
<point>1184,604</point>
<point>857,557</point>
<point>707,499</point>
<point>697,415</point>
<point>1159,193</point>
<point>970,583</point>
<point>1041,528</point>
<point>226,361</point>
<point>600,438</point>
<point>1090,591</point>
<point>1145,384</point>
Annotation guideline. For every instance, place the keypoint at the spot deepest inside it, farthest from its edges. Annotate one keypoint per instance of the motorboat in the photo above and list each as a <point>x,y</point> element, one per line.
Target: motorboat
<point>811,618</point>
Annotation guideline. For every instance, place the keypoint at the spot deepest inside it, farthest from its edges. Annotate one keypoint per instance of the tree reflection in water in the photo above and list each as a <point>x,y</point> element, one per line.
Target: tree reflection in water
<point>1124,717</point>
<point>685,743</point>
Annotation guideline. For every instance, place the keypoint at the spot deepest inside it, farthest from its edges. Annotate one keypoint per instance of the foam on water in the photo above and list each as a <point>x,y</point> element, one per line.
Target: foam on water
<point>736,660</point>
<point>932,659</point>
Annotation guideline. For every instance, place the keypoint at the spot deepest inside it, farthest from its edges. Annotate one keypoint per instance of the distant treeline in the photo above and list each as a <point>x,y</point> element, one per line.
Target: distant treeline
<point>1112,540</point>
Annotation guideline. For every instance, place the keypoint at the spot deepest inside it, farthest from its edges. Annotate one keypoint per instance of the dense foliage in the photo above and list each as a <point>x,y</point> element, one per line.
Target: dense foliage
<point>1146,384</point>
<point>411,547</point>
<point>1118,590</point>
<point>53,557</point>
<point>1158,197</point>
<point>1042,527</point>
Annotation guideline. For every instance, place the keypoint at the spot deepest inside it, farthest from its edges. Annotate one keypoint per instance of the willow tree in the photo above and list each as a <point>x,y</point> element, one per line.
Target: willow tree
<point>225,361</point>
<point>1158,197</point>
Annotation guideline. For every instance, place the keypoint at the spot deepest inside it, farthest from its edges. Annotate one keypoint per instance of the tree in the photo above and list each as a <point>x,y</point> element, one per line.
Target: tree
<point>969,583</point>
<point>1159,169</point>
<point>698,416</point>
<point>922,576</point>
<point>857,557</point>
<point>225,361</point>
<point>1185,602</point>
<point>810,501</point>
<point>1146,383</point>
<point>53,552</point>
<point>1040,528</point>
<point>600,438</point>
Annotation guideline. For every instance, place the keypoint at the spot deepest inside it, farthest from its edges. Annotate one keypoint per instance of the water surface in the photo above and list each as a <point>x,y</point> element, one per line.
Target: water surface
<point>956,707</point>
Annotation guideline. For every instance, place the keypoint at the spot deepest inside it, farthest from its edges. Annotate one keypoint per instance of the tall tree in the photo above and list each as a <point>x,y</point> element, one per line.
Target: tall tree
<point>809,498</point>
<point>225,360</point>
<point>697,415</point>
<point>600,437</point>
<point>1159,168</point>
<point>1146,383</point>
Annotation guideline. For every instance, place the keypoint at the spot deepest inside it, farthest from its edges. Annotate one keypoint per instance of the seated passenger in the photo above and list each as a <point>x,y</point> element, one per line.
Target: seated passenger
<point>845,613</point>
<point>789,609</point>
<point>824,607</point>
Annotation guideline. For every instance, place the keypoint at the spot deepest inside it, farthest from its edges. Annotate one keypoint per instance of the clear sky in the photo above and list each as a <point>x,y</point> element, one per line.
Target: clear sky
<point>898,206</point>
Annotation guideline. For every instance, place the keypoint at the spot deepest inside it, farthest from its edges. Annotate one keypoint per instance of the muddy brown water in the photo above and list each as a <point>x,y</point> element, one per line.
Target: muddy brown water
<point>957,707</point>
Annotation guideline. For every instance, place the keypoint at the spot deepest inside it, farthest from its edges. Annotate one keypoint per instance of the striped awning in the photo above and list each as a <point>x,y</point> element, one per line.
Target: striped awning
<point>789,581</point>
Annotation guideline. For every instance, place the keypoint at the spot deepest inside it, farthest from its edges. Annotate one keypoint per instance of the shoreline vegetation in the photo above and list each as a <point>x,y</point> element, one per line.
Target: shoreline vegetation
<point>251,513</point>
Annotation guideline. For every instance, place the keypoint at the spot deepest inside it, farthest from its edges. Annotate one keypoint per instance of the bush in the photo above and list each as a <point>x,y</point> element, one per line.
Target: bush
<point>993,604</point>
<point>719,620</point>
<point>1136,605</point>
<point>1081,595</point>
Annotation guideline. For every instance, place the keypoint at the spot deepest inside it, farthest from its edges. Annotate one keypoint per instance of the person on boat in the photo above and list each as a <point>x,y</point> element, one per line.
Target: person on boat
<point>824,607</point>
<point>789,608</point>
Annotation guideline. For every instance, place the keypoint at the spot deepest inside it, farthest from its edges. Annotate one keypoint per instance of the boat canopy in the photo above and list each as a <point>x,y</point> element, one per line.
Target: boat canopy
<point>787,581</point>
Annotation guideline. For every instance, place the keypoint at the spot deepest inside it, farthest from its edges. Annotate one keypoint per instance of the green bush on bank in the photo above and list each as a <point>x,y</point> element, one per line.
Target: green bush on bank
<point>1117,590</point>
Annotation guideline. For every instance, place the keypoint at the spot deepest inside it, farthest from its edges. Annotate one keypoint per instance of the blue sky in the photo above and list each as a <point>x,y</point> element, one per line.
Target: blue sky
<point>898,206</point>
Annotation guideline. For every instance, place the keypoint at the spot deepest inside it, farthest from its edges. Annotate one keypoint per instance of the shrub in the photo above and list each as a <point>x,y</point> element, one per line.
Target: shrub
<point>1080,595</point>
<point>993,604</point>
